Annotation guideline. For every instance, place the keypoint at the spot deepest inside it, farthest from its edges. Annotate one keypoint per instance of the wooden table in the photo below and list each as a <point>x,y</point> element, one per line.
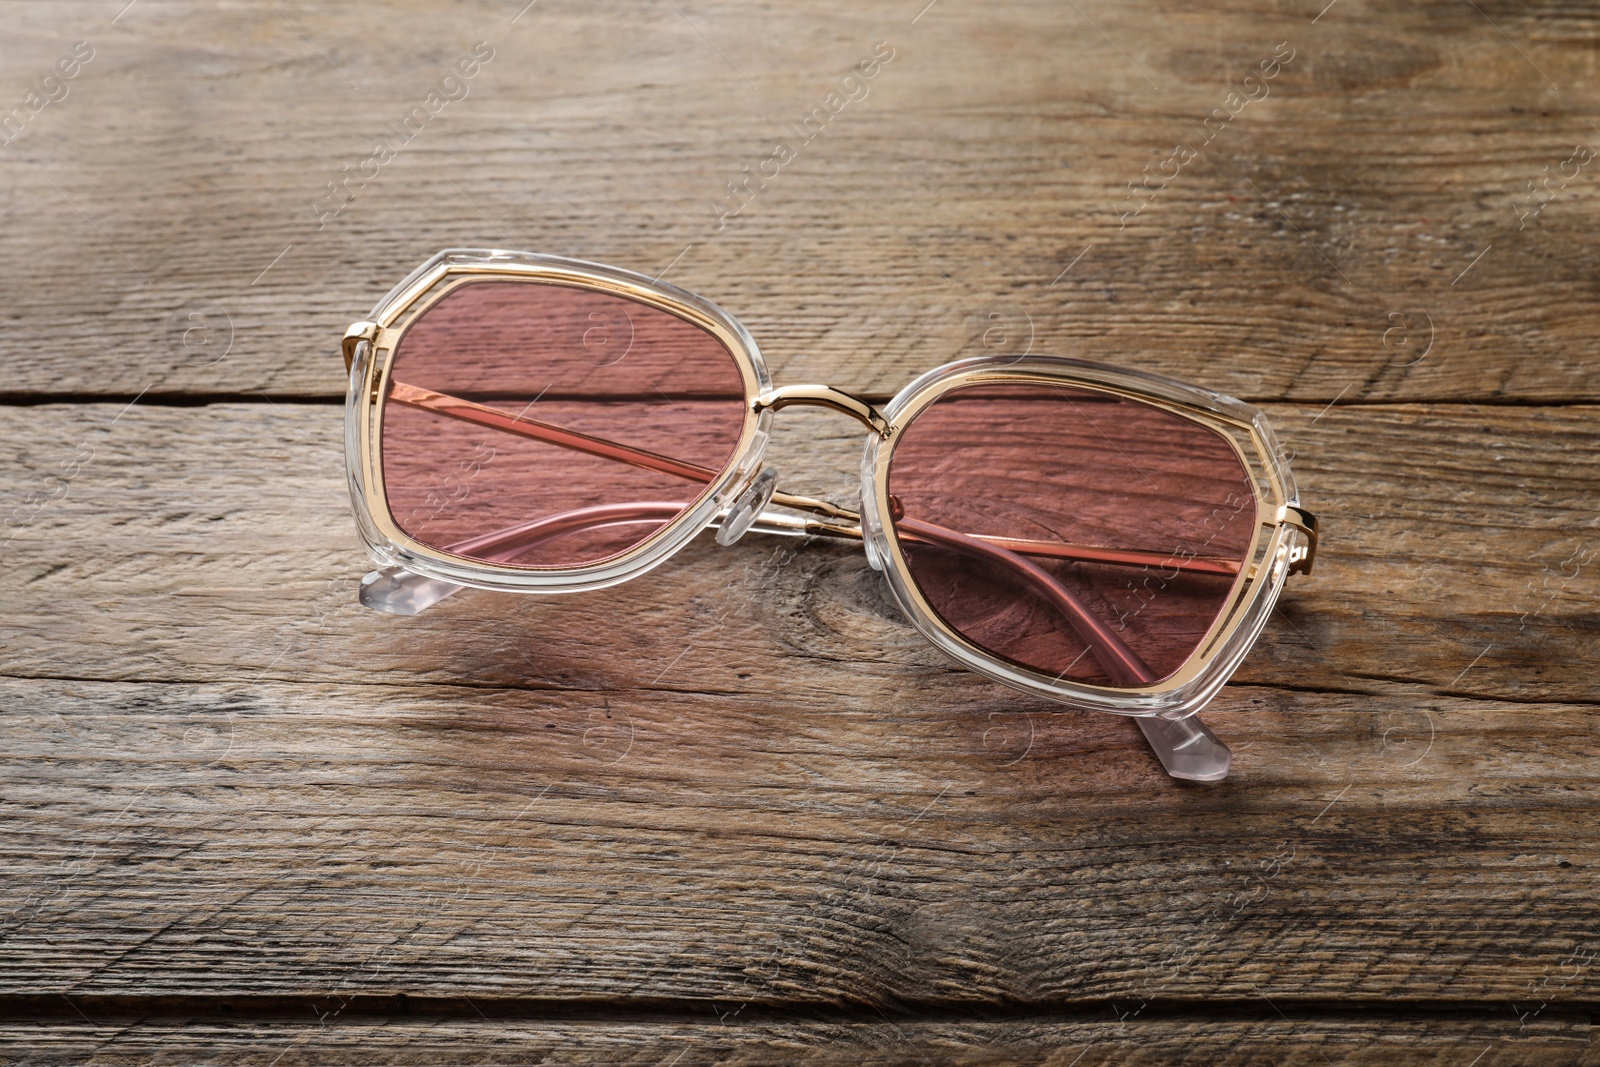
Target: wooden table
<point>737,810</point>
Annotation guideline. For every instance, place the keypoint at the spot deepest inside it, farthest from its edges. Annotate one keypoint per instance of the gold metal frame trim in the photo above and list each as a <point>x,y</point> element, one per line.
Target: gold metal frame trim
<point>824,396</point>
<point>1285,535</point>
<point>1300,556</point>
<point>1274,515</point>
<point>387,333</point>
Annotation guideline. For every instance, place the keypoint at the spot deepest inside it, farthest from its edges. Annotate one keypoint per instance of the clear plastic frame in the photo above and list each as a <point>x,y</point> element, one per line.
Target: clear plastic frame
<point>1274,538</point>
<point>372,357</point>
<point>1280,539</point>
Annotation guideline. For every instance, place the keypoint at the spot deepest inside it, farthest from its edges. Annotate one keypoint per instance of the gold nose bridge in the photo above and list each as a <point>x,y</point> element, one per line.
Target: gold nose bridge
<point>823,396</point>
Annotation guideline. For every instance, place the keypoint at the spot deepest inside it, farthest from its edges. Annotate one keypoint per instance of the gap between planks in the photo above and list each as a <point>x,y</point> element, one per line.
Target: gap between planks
<point>664,1010</point>
<point>331,399</point>
<point>1398,691</point>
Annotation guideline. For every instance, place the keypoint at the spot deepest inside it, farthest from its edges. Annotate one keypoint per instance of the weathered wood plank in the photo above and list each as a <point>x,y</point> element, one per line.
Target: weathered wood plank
<point>1312,250</point>
<point>768,736</point>
<point>1291,1040</point>
<point>737,810</point>
<point>271,839</point>
<point>1458,555</point>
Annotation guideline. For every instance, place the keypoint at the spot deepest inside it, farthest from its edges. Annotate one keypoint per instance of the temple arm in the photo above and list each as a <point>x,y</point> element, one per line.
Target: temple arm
<point>483,415</point>
<point>1186,748</point>
<point>401,592</point>
<point>1119,661</point>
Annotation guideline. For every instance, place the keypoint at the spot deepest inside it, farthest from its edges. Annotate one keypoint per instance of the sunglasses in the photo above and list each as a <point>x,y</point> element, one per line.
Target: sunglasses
<point>1111,539</point>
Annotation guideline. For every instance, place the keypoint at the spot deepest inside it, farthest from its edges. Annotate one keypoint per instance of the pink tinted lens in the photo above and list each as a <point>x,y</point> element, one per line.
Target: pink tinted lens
<point>1082,535</point>
<point>546,426</point>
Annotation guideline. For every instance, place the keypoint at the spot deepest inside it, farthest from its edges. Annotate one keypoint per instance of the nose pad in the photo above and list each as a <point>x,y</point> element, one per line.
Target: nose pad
<point>874,560</point>
<point>745,510</point>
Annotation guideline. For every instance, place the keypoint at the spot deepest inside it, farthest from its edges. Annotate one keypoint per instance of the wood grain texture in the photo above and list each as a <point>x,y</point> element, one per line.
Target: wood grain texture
<point>271,840</point>
<point>1451,533</point>
<point>737,810</point>
<point>1281,1040</point>
<point>993,150</point>
<point>249,783</point>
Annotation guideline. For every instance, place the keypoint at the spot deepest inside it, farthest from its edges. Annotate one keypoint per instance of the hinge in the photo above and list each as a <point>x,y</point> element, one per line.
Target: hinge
<point>1301,556</point>
<point>358,332</point>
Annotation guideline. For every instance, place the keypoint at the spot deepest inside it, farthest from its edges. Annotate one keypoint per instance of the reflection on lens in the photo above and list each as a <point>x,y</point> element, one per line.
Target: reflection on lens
<point>1080,534</point>
<point>542,425</point>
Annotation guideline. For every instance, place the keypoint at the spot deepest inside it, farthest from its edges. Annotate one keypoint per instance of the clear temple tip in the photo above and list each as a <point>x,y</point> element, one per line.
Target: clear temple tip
<point>1187,748</point>
<point>399,592</point>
